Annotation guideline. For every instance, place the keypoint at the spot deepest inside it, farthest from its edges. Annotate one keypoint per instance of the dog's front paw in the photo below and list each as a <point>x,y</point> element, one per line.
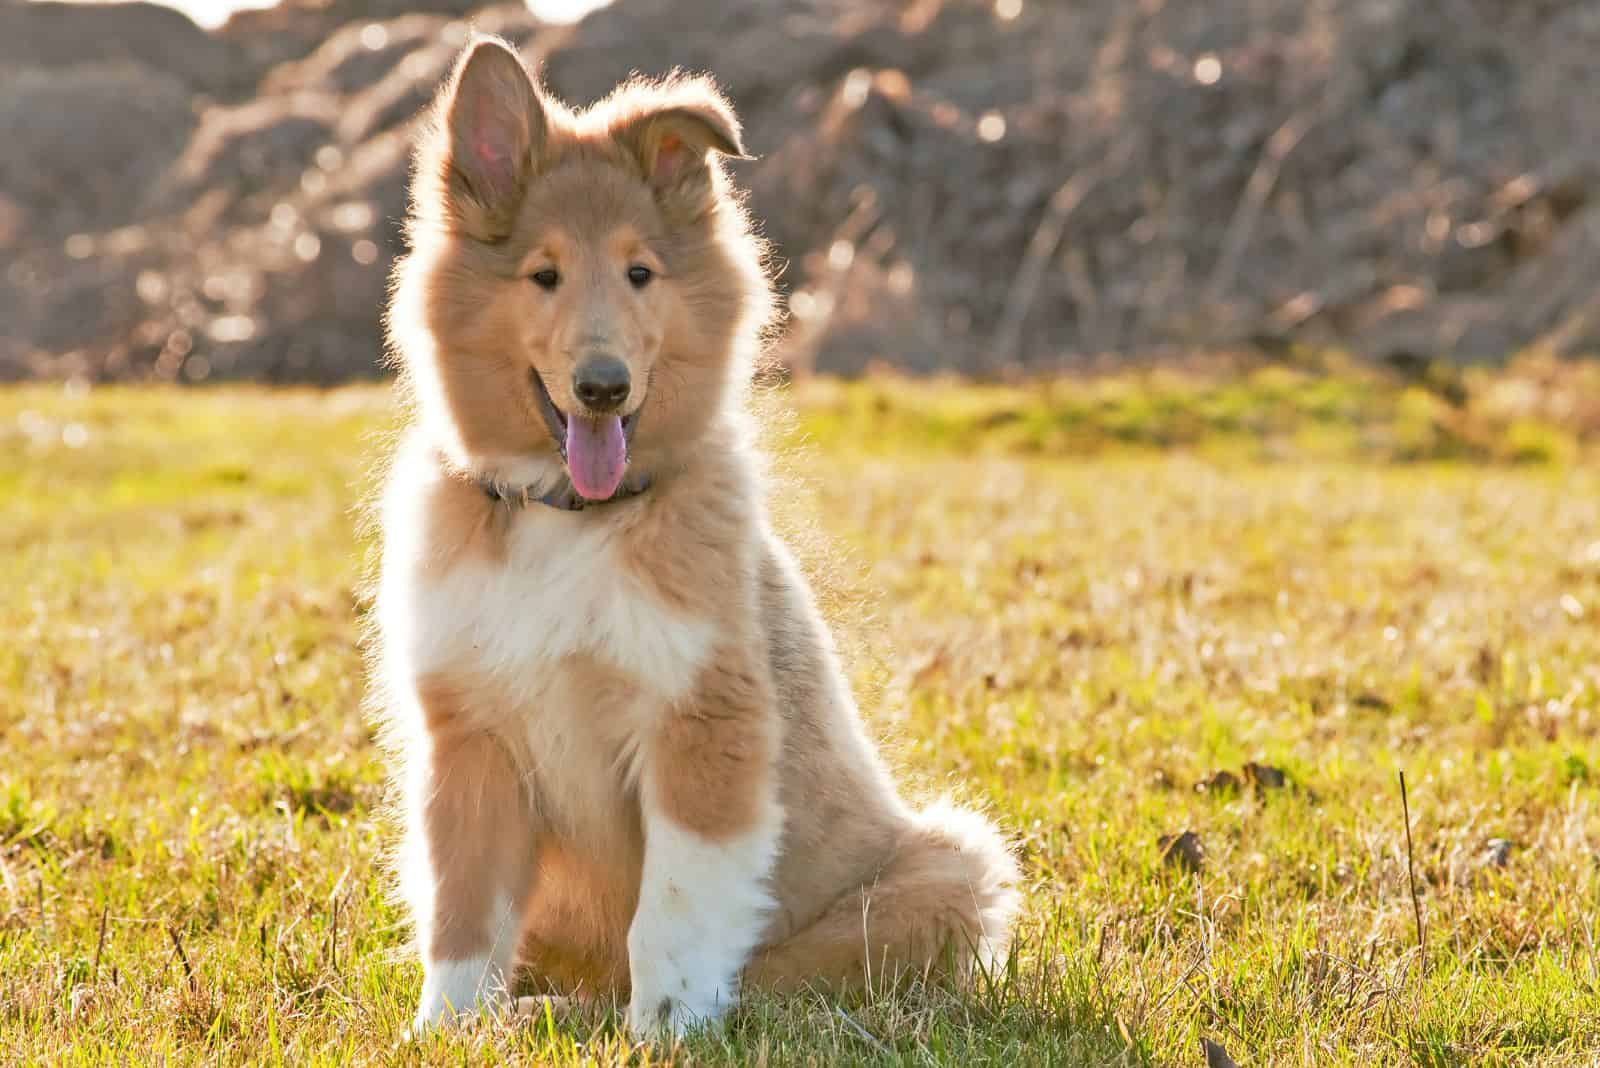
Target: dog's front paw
<point>679,983</point>
<point>454,993</point>
<point>430,1018</point>
<point>425,1023</point>
<point>655,1017</point>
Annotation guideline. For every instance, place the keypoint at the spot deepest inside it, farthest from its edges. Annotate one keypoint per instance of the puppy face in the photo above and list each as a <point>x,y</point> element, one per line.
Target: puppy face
<point>579,283</point>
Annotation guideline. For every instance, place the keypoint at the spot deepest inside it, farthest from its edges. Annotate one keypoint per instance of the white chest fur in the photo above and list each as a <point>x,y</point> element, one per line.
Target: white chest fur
<point>562,588</point>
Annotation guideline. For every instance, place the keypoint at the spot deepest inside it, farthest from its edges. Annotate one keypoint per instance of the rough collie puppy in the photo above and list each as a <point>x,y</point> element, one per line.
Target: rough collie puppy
<point>629,762</point>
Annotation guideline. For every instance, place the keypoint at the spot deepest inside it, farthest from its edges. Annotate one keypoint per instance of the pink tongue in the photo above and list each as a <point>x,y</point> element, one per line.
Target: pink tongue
<point>596,455</point>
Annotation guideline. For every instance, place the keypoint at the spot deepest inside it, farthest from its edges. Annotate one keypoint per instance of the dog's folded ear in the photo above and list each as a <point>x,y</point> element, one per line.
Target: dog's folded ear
<point>494,126</point>
<point>673,129</point>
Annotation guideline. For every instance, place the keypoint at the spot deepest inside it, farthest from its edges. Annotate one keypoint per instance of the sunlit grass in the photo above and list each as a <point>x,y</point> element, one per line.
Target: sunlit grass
<point>1073,603</point>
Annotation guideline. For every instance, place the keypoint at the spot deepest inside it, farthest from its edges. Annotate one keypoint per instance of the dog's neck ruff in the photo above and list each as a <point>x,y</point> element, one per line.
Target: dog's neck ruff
<point>563,498</point>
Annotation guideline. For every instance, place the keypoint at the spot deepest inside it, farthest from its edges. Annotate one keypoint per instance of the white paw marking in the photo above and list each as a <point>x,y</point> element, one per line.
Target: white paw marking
<point>703,906</point>
<point>454,989</point>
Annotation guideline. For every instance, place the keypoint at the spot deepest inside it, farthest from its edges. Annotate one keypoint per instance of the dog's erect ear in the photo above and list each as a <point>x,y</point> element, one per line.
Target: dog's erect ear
<point>674,136</point>
<point>495,124</point>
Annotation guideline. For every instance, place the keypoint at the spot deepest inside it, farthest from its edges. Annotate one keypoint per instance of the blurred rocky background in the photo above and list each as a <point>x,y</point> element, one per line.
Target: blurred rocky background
<point>1015,185</point>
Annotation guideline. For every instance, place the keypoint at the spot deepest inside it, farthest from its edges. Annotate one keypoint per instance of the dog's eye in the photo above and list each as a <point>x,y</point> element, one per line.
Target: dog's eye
<point>548,278</point>
<point>640,275</point>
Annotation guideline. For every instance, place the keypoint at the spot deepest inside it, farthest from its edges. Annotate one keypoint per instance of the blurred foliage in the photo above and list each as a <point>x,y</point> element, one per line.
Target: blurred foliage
<point>950,185</point>
<point>1317,406</point>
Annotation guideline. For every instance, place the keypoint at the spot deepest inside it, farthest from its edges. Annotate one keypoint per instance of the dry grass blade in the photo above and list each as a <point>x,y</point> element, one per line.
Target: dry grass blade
<point>99,945</point>
<point>188,969</point>
<point>1411,876</point>
<point>860,1032</point>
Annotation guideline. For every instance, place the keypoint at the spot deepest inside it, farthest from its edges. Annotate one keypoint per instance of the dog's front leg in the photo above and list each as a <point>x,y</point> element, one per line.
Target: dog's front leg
<point>708,792</point>
<point>469,868</point>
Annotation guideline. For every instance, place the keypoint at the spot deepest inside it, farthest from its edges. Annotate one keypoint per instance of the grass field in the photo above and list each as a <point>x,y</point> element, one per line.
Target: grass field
<point>1110,611</point>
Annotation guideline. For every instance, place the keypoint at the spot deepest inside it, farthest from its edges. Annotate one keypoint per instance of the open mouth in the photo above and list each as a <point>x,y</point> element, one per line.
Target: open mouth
<point>594,447</point>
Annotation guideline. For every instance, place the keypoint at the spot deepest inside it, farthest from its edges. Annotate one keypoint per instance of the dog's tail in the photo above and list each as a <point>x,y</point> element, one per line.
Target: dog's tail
<point>944,901</point>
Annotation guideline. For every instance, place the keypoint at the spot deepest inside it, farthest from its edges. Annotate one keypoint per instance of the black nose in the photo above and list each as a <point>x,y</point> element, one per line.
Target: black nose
<point>601,383</point>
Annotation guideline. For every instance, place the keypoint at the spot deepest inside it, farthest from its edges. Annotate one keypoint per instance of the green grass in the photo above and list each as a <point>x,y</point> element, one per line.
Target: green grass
<point>1073,603</point>
<point>1317,407</point>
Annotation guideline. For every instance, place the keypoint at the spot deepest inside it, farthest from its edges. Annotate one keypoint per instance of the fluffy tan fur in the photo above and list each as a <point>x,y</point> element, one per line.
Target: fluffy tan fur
<point>566,695</point>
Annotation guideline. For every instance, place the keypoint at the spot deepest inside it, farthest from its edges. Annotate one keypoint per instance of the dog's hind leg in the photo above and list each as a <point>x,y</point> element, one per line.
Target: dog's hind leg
<point>946,896</point>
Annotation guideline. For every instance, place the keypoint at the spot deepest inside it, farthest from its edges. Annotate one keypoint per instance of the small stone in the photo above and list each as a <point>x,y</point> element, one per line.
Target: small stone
<point>1265,776</point>
<point>1216,1056</point>
<point>1221,783</point>
<point>1182,850</point>
<point>1497,852</point>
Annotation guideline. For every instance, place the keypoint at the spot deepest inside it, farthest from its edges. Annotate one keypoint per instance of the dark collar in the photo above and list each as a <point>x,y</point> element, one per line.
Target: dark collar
<point>563,497</point>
